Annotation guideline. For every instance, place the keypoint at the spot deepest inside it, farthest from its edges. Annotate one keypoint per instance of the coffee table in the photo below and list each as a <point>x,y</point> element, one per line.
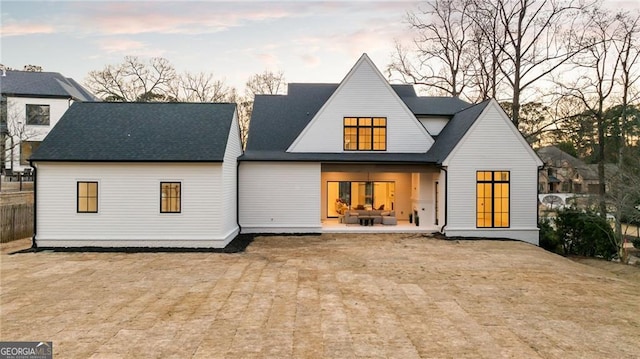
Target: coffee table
<point>366,220</point>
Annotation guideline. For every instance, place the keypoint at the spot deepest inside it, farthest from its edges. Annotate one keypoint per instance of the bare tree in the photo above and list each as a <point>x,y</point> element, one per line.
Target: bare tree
<point>537,119</point>
<point>265,83</point>
<point>443,54</point>
<point>532,37</point>
<point>628,49</point>
<point>623,199</point>
<point>477,48</point>
<point>133,80</point>
<point>200,87</point>
<point>15,131</point>
<point>486,77</point>
<point>597,68</point>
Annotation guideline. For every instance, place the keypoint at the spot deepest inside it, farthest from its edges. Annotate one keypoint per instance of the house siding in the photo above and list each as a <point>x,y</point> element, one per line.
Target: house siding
<point>434,124</point>
<point>279,197</point>
<point>492,145</point>
<point>229,195</point>
<point>17,113</point>
<point>129,206</point>
<point>363,93</point>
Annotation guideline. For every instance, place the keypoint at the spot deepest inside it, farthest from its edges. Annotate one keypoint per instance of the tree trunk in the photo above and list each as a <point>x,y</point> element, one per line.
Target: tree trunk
<point>601,174</point>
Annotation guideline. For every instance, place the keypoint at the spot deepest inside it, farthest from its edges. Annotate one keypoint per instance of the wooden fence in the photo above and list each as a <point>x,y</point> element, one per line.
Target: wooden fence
<point>16,221</point>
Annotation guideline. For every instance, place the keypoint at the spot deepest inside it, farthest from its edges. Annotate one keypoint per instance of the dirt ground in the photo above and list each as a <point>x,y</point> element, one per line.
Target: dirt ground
<point>331,296</point>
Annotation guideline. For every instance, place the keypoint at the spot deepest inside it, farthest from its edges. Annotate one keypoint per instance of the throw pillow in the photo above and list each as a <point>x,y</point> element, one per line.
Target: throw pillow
<point>385,213</point>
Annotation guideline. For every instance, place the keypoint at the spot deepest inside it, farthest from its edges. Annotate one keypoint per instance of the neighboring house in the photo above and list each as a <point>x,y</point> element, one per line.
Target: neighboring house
<point>461,169</point>
<point>563,173</point>
<point>31,104</point>
<point>138,175</point>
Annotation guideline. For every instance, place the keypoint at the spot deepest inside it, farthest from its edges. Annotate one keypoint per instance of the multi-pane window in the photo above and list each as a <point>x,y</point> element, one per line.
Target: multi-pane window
<point>365,134</point>
<point>38,115</point>
<point>492,199</point>
<point>87,197</point>
<point>170,197</point>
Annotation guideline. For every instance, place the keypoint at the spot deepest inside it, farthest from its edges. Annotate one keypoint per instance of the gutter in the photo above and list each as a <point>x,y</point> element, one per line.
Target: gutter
<point>34,245</point>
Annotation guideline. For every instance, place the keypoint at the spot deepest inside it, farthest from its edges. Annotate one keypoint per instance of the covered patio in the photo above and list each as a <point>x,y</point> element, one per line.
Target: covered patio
<point>333,225</point>
<point>402,191</point>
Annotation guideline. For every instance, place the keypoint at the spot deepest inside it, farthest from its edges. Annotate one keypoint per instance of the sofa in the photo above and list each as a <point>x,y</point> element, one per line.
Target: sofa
<point>351,216</point>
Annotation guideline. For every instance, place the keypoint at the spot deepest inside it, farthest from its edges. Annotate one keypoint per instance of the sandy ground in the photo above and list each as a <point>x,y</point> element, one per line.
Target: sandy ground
<point>333,296</point>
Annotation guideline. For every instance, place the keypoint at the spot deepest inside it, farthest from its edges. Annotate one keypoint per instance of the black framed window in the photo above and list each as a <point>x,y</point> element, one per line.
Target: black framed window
<point>170,197</point>
<point>492,199</point>
<point>38,115</point>
<point>87,197</point>
<point>365,133</point>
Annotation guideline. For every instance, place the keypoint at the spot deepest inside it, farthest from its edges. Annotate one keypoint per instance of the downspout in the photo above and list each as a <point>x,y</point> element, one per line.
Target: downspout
<point>238,196</point>
<point>35,204</point>
<point>538,199</point>
<point>446,198</point>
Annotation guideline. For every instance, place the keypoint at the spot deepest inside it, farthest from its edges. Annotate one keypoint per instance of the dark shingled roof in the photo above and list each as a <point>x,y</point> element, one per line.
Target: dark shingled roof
<point>42,84</point>
<point>139,132</point>
<point>453,132</point>
<point>435,106</point>
<point>277,121</point>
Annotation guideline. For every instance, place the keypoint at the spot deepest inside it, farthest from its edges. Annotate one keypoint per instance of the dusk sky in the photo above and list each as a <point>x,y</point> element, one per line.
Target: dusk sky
<point>308,41</point>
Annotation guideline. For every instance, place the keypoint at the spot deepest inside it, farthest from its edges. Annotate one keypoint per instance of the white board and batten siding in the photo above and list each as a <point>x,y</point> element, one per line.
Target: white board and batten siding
<point>129,206</point>
<point>492,144</point>
<point>363,93</point>
<point>280,197</point>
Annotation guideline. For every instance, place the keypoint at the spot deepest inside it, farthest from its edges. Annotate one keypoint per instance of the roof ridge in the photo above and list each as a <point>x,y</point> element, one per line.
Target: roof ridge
<point>471,106</point>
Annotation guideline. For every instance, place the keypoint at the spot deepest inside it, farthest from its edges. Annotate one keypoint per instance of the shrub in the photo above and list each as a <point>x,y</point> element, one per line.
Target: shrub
<point>585,234</point>
<point>548,237</point>
<point>636,242</point>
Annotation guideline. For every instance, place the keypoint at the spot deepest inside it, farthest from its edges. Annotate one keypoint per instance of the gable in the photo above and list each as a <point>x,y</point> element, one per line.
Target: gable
<point>363,93</point>
<point>492,140</point>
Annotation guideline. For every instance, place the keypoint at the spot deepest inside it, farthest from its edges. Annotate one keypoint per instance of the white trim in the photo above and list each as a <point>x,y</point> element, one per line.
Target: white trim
<point>364,58</point>
<point>529,235</point>
<point>168,242</point>
<point>511,126</point>
<point>281,229</point>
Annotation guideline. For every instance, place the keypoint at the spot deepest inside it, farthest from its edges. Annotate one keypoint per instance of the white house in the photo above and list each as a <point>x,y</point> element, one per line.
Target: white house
<point>138,175</point>
<point>322,157</point>
<point>30,106</point>
<point>461,169</point>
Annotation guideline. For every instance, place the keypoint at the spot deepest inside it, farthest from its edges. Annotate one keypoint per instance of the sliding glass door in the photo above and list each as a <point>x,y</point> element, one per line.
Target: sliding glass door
<point>359,195</point>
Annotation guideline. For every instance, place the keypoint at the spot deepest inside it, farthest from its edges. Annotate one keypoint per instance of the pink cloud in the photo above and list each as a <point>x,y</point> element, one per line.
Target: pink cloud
<point>180,18</point>
<point>128,47</point>
<point>18,29</point>
<point>310,60</point>
<point>120,45</point>
<point>269,60</point>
